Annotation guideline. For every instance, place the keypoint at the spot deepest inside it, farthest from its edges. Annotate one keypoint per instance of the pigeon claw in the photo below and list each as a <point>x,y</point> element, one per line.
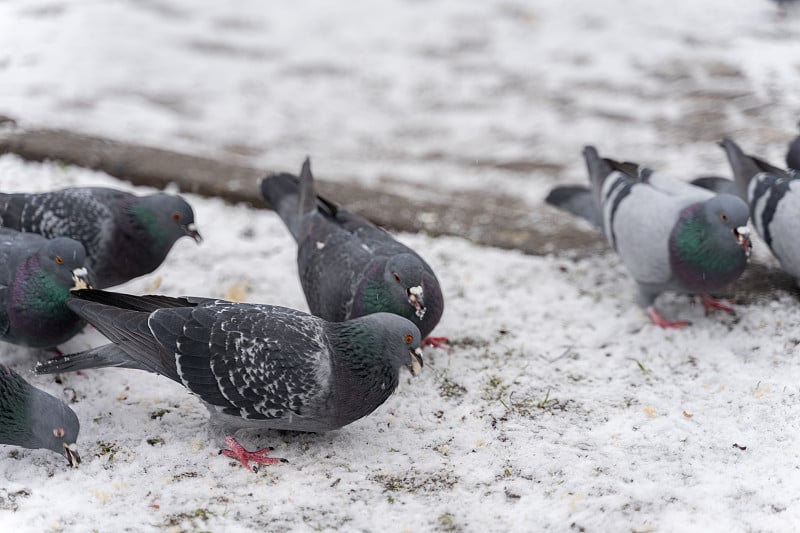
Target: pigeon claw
<point>237,451</point>
<point>712,304</point>
<point>436,342</point>
<point>662,322</point>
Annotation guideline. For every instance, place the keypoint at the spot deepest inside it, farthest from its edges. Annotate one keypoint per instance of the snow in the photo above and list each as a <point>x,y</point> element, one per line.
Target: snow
<point>558,406</point>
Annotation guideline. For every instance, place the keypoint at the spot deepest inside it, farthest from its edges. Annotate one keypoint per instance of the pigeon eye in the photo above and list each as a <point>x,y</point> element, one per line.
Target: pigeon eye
<point>723,216</point>
<point>409,338</point>
<point>176,217</point>
<point>58,432</point>
<point>396,277</point>
<point>59,260</point>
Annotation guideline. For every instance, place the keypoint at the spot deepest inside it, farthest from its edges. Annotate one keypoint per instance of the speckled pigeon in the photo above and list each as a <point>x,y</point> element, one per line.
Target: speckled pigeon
<point>125,236</point>
<point>253,365</point>
<point>773,195</point>
<point>36,275</point>
<point>31,418</point>
<point>349,267</point>
<point>670,235</point>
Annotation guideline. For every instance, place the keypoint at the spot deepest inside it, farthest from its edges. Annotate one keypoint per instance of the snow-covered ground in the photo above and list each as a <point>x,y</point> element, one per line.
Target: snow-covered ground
<point>558,407</point>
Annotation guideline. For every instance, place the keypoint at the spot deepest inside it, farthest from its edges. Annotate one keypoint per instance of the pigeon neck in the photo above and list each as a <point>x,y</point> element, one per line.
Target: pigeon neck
<point>146,225</point>
<point>360,356</point>
<point>375,297</point>
<point>14,411</point>
<point>37,307</point>
<point>700,259</point>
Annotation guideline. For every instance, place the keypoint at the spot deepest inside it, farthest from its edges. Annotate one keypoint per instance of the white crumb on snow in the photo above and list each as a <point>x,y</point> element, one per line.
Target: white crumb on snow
<point>558,403</point>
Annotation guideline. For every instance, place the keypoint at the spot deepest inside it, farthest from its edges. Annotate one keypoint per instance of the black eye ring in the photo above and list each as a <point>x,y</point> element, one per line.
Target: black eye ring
<point>396,277</point>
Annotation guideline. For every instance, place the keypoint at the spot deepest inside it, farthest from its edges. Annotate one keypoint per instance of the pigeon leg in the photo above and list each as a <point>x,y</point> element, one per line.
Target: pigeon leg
<point>711,304</point>
<point>237,451</point>
<point>436,342</point>
<point>662,322</point>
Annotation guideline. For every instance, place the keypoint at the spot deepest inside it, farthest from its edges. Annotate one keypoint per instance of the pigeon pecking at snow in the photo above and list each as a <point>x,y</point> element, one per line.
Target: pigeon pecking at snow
<point>125,236</point>
<point>36,275</point>
<point>671,236</point>
<point>773,195</point>
<point>348,266</point>
<point>31,418</point>
<point>254,366</point>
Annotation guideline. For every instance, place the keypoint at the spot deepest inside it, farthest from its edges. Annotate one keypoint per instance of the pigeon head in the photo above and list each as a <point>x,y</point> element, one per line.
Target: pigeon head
<point>392,338</point>
<point>62,261</point>
<point>401,340</point>
<point>710,243</point>
<point>54,426</point>
<point>166,218</point>
<point>404,276</point>
<point>727,216</point>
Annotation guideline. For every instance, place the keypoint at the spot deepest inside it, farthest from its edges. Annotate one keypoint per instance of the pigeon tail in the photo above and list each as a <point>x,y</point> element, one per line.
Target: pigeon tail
<point>577,200</point>
<point>746,167</point>
<point>599,169</point>
<point>793,154</point>
<point>282,194</point>
<point>308,197</point>
<point>108,355</point>
<point>118,319</point>
<point>717,184</point>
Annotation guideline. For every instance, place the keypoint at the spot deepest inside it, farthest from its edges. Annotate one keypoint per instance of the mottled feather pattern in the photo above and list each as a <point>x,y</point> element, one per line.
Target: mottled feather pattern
<point>54,215</point>
<point>242,361</point>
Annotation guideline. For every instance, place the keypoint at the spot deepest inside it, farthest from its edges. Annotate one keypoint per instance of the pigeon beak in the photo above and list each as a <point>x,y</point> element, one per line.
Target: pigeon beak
<point>416,361</point>
<point>81,278</point>
<point>415,299</point>
<point>71,452</point>
<point>191,231</point>
<point>742,234</point>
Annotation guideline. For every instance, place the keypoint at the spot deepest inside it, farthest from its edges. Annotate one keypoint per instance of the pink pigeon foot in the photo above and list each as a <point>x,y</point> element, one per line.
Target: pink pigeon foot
<point>662,322</point>
<point>237,451</point>
<point>712,304</point>
<point>436,342</point>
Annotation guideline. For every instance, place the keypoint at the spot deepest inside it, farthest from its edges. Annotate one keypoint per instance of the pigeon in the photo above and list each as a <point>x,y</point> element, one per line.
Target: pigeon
<point>31,418</point>
<point>348,266</point>
<point>671,236</point>
<point>773,195</point>
<point>254,365</point>
<point>36,275</point>
<point>125,236</point>
<point>793,154</point>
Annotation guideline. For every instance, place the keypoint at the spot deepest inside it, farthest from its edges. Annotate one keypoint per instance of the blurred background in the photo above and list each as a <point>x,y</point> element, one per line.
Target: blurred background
<point>413,96</point>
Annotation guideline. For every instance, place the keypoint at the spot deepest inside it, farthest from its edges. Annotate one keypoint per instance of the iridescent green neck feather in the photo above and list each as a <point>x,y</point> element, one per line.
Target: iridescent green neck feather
<point>147,220</point>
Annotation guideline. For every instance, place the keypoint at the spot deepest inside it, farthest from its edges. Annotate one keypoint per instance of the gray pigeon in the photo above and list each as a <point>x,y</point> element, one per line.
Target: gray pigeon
<point>253,365</point>
<point>125,236</point>
<point>31,418</point>
<point>670,235</point>
<point>773,195</point>
<point>349,267</point>
<point>36,275</point>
